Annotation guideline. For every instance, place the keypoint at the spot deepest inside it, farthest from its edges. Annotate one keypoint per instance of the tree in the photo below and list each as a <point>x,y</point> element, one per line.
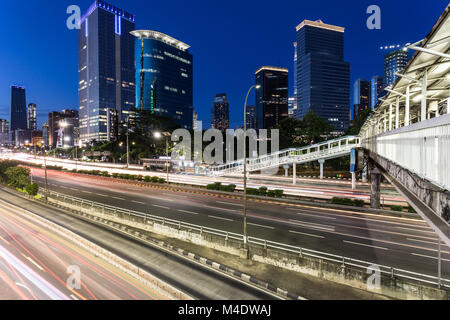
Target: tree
<point>18,176</point>
<point>358,123</point>
<point>289,133</point>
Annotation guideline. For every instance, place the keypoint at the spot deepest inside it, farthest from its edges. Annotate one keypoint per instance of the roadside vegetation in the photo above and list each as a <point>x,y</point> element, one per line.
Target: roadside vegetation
<point>17,177</point>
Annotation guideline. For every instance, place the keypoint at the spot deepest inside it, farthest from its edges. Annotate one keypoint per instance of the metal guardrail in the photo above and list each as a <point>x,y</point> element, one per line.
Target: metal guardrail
<point>394,273</point>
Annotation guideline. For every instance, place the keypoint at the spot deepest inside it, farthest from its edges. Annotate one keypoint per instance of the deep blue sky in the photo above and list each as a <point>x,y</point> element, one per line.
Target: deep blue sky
<point>230,40</point>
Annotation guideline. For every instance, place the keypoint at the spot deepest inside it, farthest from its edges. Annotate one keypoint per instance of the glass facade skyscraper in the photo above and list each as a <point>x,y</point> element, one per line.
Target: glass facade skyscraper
<point>18,109</point>
<point>220,113</point>
<point>272,96</point>
<point>394,62</point>
<point>106,69</point>
<point>164,77</point>
<point>32,121</point>
<point>361,90</point>
<point>323,77</point>
<point>376,91</point>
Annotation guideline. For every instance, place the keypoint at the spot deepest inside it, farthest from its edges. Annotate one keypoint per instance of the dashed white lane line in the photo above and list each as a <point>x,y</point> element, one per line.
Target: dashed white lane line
<point>307,234</point>
<point>315,216</point>
<point>36,265</point>
<point>423,241</point>
<point>429,257</point>
<point>138,202</point>
<point>312,225</point>
<point>365,245</point>
<point>161,207</point>
<point>260,225</point>
<point>230,204</point>
<point>102,195</point>
<point>220,218</point>
<point>88,192</point>
<point>118,198</point>
<point>190,212</point>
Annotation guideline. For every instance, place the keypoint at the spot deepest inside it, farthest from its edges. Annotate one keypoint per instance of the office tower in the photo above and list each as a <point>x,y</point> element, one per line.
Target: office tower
<point>323,77</point>
<point>18,109</point>
<point>164,77</point>
<point>60,124</point>
<point>272,96</point>
<point>294,106</point>
<point>195,122</point>
<point>106,69</point>
<point>220,113</point>
<point>376,91</point>
<point>32,117</point>
<point>394,62</point>
<point>360,97</point>
<point>251,117</point>
<point>4,132</point>
<point>45,134</point>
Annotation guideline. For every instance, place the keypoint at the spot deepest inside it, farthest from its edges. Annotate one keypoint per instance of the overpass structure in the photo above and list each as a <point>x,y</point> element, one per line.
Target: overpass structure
<point>407,138</point>
<point>318,152</point>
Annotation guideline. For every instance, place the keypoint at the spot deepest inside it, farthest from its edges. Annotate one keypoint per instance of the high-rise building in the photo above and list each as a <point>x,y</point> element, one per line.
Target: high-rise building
<point>164,77</point>
<point>292,106</point>
<point>323,77</point>
<point>220,113</point>
<point>251,117</point>
<point>376,91</point>
<point>294,100</point>
<point>45,134</point>
<point>106,68</point>
<point>195,122</point>
<point>272,96</point>
<point>394,62</point>
<point>4,132</point>
<point>361,90</point>
<point>32,117</point>
<point>18,109</point>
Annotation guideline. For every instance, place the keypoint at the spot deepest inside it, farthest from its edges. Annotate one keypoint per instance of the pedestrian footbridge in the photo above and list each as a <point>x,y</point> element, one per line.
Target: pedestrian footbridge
<point>318,152</point>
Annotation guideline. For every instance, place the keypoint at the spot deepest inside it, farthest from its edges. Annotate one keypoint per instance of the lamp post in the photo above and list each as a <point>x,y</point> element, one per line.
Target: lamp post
<point>245,163</point>
<point>159,135</point>
<point>45,169</point>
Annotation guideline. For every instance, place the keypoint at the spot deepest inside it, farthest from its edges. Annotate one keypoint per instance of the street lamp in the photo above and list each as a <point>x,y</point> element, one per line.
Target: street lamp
<point>45,169</point>
<point>245,163</point>
<point>159,135</point>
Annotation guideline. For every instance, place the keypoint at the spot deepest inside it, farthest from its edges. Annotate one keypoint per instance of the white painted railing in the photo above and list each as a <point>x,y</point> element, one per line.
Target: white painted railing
<point>325,150</point>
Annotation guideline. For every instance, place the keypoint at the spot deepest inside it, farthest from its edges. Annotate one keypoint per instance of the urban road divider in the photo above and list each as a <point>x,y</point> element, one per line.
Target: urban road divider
<point>239,196</point>
<point>397,283</point>
<point>140,275</point>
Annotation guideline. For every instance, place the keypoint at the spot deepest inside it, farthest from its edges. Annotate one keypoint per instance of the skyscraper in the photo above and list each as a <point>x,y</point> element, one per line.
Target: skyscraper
<point>272,96</point>
<point>361,90</point>
<point>164,77</point>
<point>323,77</point>
<point>18,109</point>
<point>59,123</point>
<point>220,113</point>
<point>251,117</point>
<point>394,62</point>
<point>106,68</point>
<point>32,121</point>
<point>4,132</point>
<point>376,91</point>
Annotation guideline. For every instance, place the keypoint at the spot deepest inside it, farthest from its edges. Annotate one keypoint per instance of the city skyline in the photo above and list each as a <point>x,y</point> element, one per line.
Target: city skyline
<point>56,95</point>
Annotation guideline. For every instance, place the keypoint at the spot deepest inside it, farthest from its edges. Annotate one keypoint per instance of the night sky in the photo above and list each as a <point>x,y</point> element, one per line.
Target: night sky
<point>230,40</point>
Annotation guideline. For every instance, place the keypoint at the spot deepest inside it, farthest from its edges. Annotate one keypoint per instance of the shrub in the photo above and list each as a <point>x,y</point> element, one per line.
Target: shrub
<point>154,179</point>
<point>263,191</point>
<point>148,179</point>
<point>32,189</point>
<point>397,208</point>
<point>279,193</point>
<point>139,178</point>
<point>359,203</point>
<point>17,176</point>
<point>161,180</point>
<point>252,191</point>
<point>342,201</point>
<point>105,174</point>
<point>411,210</point>
<point>115,175</point>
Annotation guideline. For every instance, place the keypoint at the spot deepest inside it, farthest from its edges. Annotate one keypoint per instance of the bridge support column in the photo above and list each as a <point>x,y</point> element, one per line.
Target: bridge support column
<point>375,196</point>
<point>353,180</point>
<point>294,167</point>
<point>321,162</point>
<point>286,170</point>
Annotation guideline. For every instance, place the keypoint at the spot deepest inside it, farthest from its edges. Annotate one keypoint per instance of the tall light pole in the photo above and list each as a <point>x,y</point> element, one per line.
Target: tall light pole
<point>45,169</point>
<point>158,135</point>
<point>245,163</point>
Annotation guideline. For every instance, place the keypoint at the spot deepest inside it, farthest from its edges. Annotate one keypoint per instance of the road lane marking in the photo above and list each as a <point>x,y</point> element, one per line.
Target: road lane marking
<point>313,225</point>
<point>138,202</point>
<point>162,207</point>
<point>74,297</point>
<point>86,192</point>
<point>429,242</point>
<point>307,234</point>
<point>260,225</point>
<point>315,216</point>
<point>117,198</point>
<point>231,204</point>
<point>102,195</point>
<point>33,262</point>
<point>190,212</point>
<point>220,218</point>
<point>366,245</point>
<point>429,257</point>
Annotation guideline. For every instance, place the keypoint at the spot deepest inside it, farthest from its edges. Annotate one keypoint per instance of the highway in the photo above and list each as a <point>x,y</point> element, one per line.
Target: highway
<point>191,278</point>
<point>305,187</point>
<point>391,241</point>
<point>34,264</point>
